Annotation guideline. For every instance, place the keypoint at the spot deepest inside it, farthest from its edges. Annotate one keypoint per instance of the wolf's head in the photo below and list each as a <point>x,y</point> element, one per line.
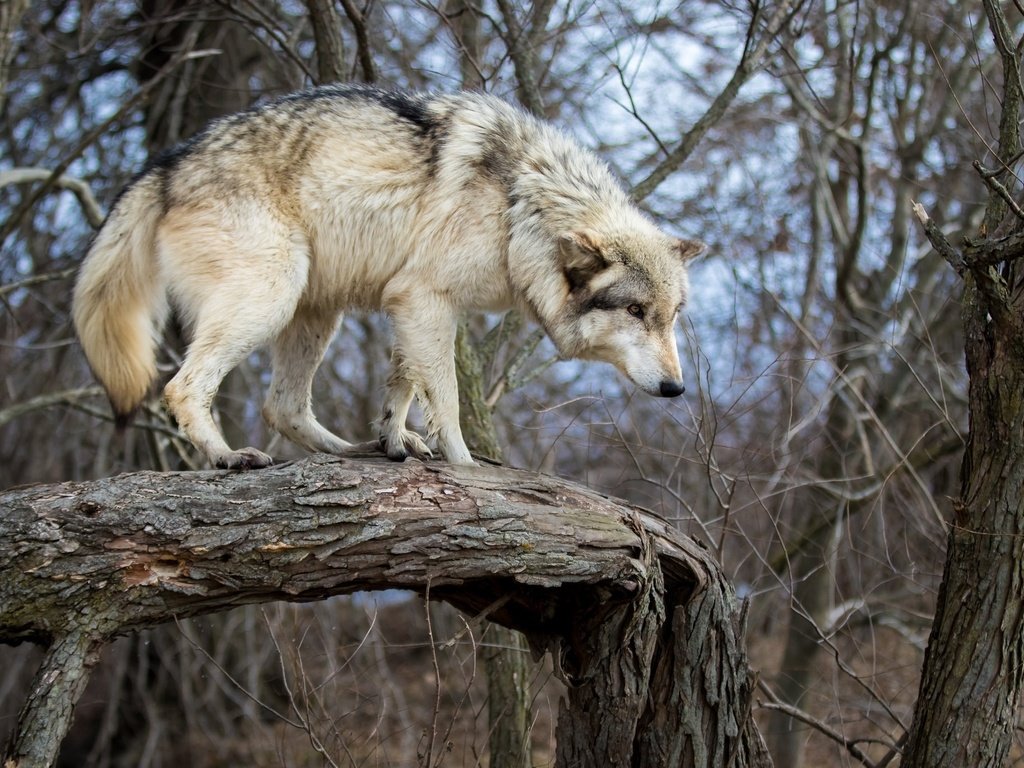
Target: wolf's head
<point>625,291</point>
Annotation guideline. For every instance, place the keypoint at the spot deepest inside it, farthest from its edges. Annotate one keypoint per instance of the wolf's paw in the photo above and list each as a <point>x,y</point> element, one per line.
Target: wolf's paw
<point>247,458</point>
<point>406,443</point>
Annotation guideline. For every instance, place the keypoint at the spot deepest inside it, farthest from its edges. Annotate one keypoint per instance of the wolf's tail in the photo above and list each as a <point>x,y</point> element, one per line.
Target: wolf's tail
<point>120,302</point>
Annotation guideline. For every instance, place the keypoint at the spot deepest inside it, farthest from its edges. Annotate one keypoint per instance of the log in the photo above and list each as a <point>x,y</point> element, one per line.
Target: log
<point>641,622</point>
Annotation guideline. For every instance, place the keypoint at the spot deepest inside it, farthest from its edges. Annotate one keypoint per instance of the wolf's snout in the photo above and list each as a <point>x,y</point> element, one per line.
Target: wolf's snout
<point>671,389</point>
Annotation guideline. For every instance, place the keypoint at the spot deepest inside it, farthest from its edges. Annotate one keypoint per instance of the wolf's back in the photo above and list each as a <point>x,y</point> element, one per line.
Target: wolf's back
<point>120,303</point>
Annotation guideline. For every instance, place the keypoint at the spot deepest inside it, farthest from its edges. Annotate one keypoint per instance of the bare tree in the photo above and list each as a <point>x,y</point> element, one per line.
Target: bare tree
<point>979,623</point>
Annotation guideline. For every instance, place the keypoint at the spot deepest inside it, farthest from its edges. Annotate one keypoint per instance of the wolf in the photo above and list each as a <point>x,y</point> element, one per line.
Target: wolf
<point>267,225</point>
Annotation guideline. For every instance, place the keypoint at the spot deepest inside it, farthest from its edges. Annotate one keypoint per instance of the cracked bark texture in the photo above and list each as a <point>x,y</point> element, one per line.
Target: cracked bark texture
<point>642,624</point>
<point>973,676</point>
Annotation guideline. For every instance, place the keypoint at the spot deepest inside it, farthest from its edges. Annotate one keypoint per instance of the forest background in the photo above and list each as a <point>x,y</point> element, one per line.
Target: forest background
<point>816,450</point>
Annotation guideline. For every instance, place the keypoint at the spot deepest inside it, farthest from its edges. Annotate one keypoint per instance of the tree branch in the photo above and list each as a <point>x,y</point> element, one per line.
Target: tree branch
<point>524,58</point>
<point>939,241</point>
<point>750,62</point>
<point>91,208</point>
<point>330,49</point>
<point>50,399</point>
<point>604,586</point>
<point>978,260</point>
<point>363,51</point>
<point>28,282</point>
<point>774,702</point>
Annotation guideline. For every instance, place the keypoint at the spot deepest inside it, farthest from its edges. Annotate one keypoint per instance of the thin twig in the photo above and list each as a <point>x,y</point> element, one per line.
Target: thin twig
<point>774,702</point>
<point>303,723</point>
<point>902,459</point>
<point>636,113</point>
<point>437,679</point>
<point>28,282</point>
<point>241,688</point>
<point>39,402</point>
<point>262,19</point>
<point>989,177</point>
<point>81,189</point>
<point>469,683</point>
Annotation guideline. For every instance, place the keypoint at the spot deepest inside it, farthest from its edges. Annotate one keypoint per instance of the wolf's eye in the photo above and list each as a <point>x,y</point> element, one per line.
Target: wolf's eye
<point>636,311</point>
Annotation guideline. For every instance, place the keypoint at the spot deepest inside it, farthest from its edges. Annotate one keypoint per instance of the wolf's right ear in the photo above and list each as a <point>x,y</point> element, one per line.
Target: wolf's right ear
<point>581,257</point>
<point>690,249</point>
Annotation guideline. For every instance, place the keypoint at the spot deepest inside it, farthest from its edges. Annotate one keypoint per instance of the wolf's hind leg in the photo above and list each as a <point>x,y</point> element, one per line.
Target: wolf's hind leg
<point>424,362</point>
<point>240,295</point>
<point>296,354</point>
<point>189,395</point>
<point>396,439</point>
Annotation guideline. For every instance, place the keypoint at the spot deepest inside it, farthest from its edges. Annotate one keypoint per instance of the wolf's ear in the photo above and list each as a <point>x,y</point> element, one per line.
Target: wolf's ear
<point>581,257</point>
<point>690,249</point>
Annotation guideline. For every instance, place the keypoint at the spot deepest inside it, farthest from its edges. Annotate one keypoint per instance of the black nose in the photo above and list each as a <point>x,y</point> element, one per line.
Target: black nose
<point>672,388</point>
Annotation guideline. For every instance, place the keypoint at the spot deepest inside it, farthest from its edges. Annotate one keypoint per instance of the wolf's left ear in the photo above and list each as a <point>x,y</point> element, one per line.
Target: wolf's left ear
<point>581,256</point>
<point>690,249</point>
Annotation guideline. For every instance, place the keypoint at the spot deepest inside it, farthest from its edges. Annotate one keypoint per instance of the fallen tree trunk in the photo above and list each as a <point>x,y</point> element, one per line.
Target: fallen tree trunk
<point>643,626</point>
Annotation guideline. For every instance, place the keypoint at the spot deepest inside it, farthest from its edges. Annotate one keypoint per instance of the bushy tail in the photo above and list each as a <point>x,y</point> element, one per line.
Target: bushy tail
<point>120,305</point>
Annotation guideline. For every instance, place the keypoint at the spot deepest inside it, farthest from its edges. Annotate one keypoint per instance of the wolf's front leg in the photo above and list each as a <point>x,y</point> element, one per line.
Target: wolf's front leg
<point>423,362</point>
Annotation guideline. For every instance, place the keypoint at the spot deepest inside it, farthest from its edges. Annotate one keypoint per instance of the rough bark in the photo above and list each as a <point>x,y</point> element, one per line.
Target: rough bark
<point>11,12</point>
<point>694,670</point>
<point>58,684</point>
<point>330,48</point>
<point>507,668</point>
<point>972,677</point>
<point>506,664</point>
<point>970,691</point>
<point>577,573</point>
<point>968,704</point>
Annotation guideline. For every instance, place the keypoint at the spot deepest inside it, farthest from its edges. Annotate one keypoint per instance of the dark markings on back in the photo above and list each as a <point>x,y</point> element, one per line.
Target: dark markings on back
<point>410,107</point>
<point>495,159</point>
<point>497,162</point>
<point>413,108</point>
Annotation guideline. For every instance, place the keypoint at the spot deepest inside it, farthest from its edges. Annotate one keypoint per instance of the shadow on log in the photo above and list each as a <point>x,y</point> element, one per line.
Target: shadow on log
<point>641,622</point>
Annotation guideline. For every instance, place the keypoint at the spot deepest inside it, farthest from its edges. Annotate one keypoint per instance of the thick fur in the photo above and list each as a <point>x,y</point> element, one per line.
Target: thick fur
<point>263,228</point>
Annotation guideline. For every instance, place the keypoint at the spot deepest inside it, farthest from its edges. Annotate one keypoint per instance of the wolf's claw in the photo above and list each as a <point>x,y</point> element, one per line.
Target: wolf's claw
<point>408,443</point>
<point>247,458</point>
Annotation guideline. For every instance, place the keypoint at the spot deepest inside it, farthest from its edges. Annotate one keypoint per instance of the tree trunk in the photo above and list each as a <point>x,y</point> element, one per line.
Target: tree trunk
<point>969,698</point>
<point>581,575</point>
<point>812,581</point>
<point>330,48</point>
<point>812,573</point>
<point>11,12</point>
<point>970,690</point>
<point>507,667</point>
<point>505,660</point>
